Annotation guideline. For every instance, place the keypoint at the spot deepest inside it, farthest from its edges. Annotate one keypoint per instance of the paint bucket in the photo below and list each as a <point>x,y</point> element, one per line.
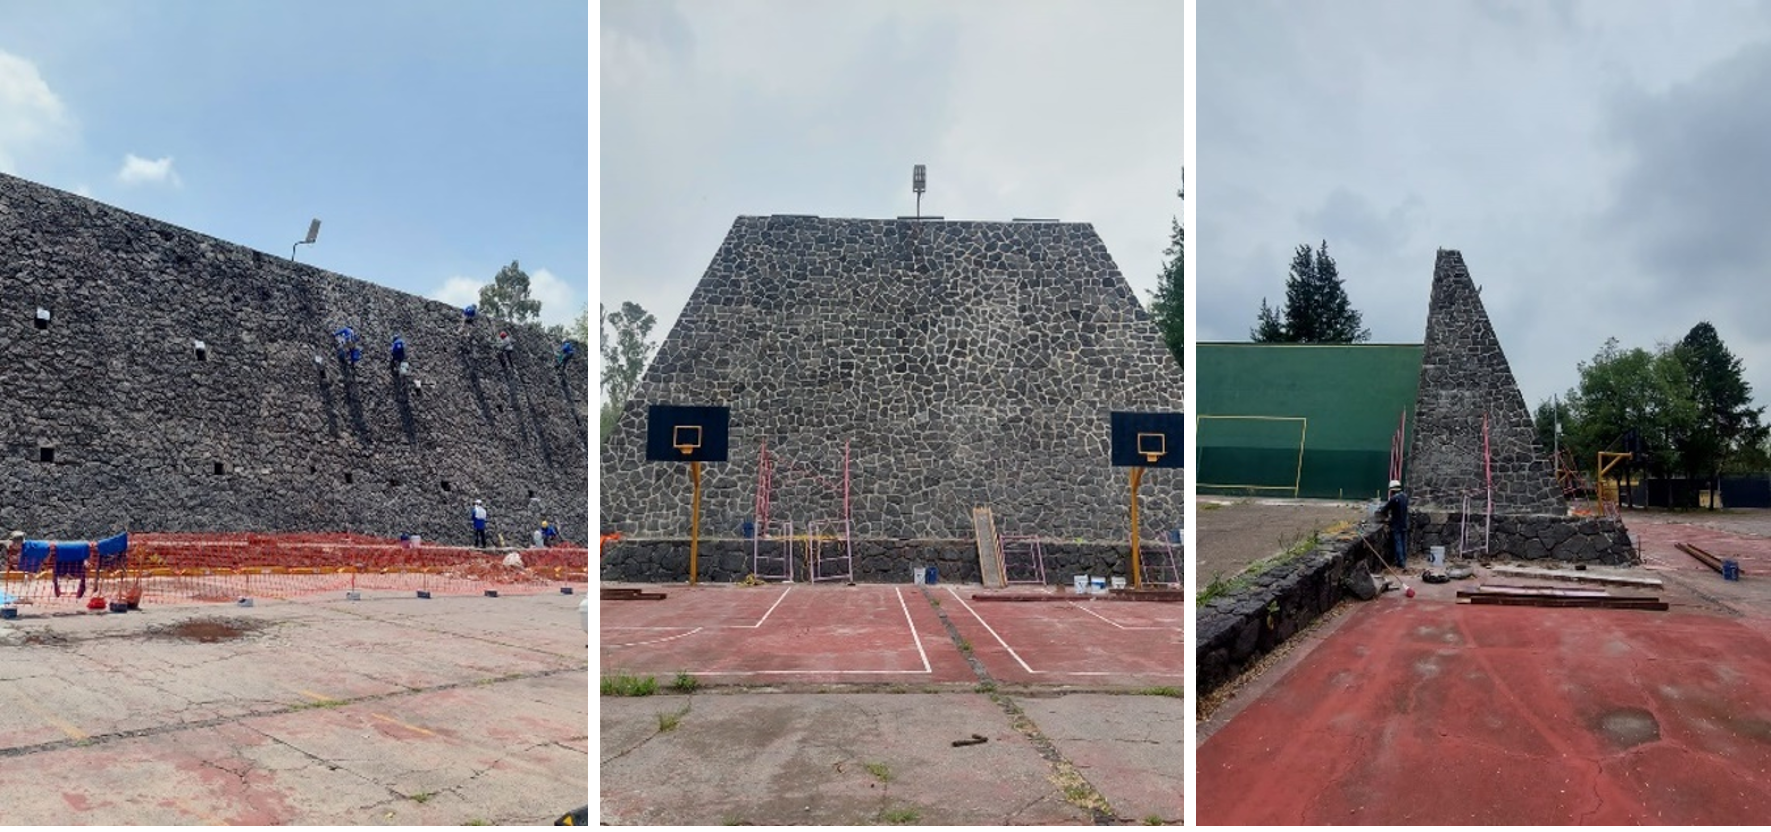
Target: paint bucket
<point>1081,582</point>
<point>1730,570</point>
<point>930,580</point>
<point>8,613</point>
<point>424,593</point>
<point>1097,586</point>
<point>1118,583</point>
<point>1436,556</point>
<point>917,574</point>
<point>565,590</point>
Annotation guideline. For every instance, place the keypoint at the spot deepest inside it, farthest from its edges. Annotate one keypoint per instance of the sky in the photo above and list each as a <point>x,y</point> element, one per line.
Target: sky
<point>715,109</point>
<point>1603,167</point>
<point>436,141</point>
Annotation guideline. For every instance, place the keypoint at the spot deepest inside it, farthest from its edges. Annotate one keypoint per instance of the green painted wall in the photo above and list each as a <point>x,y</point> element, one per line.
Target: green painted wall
<point>1334,407</point>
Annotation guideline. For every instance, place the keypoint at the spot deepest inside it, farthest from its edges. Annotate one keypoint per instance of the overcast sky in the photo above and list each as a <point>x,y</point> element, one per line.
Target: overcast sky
<point>436,141</point>
<point>1605,167</point>
<point>713,109</point>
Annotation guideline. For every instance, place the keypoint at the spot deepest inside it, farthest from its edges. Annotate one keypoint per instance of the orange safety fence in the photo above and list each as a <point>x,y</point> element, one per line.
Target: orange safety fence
<point>182,568</point>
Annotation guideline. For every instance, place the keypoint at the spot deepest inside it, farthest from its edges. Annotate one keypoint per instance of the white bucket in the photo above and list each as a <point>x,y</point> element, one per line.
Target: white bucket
<point>917,574</point>
<point>1436,556</point>
<point>584,614</point>
<point>1097,586</point>
<point>1081,582</point>
<point>1118,583</point>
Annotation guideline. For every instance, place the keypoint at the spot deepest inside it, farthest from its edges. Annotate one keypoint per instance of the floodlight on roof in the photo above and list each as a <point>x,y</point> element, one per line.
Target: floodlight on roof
<point>313,233</point>
<point>919,182</point>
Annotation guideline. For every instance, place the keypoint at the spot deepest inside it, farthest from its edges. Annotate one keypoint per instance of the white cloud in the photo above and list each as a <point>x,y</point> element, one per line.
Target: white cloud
<point>560,301</point>
<point>31,116</point>
<point>458,291</point>
<point>139,171</point>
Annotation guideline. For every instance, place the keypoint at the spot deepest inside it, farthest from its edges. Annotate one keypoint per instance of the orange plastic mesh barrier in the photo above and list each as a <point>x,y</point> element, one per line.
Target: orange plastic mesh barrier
<point>179,568</point>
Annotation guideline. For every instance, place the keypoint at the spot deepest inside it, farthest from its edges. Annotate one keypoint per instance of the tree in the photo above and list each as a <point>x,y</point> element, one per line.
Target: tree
<point>1316,308</point>
<point>1545,420</point>
<point>1726,423</point>
<point>507,296</point>
<point>1624,390</point>
<point>624,358</point>
<point>1167,303</point>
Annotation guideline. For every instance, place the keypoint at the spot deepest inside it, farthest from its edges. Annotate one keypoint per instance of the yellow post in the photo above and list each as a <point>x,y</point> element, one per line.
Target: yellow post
<point>1137,572</point>
<point>695,525</point>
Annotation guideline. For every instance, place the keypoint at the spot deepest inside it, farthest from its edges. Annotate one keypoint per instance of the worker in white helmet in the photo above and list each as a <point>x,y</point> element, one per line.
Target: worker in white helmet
<point>1395,513</point>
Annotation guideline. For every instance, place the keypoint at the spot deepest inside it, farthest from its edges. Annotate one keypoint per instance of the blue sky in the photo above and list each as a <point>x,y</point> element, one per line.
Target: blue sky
<point>437,141</point>
<point>1031,108</point>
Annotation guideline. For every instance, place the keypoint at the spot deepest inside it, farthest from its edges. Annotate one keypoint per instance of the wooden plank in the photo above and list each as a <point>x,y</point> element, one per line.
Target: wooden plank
<point>989,556</point>
<point>1615,602</point>
<point>1027,596</point>
<point>1572,575</point>
<point>1552,591</point>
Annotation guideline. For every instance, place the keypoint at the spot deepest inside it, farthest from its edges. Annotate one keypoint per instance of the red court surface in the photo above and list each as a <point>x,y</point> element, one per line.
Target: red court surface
<point>871,633</point>
<point>1427,712</point>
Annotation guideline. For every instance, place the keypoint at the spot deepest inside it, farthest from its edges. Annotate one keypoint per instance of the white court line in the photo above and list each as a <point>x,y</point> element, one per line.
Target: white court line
<point>652,641</point>
<point>914,635</point>
<point>1117,624</point>
<point>1023,663</point>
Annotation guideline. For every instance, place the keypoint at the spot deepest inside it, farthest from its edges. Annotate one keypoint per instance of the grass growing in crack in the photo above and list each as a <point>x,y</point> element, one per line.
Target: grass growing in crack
<point>1161,690</point>
<point>479,822</point>
<point>985,687</point>
<point>899,817</point>
<point>732,820</point>
<point>880,772</point>
<point>622,684</point>
<point>965,647</point>
<point>320,703</point>
<point>685,683</point>
<point>422,797</point>
<point>668,722</point>
<point>1152,820</point>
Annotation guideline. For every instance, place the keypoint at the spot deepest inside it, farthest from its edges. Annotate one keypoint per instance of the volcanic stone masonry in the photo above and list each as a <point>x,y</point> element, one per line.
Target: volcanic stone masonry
<point>114,420</point>
<point>963,364</point>
<point>1464,375</point>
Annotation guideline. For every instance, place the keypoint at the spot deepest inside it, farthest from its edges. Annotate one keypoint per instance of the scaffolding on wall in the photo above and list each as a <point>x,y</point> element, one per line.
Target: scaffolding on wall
<point>824,550</point>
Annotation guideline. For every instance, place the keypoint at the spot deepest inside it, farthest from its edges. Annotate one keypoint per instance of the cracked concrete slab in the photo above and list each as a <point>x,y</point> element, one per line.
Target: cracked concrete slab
<point>1130,747</point>
<point>822,759</point>
<point>390,710</point>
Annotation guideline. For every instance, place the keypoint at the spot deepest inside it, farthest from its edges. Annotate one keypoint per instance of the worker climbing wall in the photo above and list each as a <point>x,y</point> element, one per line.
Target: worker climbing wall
<point>115,419</point>
<point>965,363</point>
<point>1464,374</point>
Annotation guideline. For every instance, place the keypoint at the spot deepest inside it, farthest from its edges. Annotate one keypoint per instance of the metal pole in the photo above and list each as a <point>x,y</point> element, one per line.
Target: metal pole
<point>695,525</point>
<point>1137,573</point>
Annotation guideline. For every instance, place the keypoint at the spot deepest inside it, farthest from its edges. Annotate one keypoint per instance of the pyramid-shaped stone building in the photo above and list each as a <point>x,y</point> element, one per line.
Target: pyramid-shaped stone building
<point>961,364</point>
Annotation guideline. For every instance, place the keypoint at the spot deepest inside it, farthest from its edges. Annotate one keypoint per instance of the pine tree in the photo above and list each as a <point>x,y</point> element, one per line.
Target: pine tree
<point>1316,308</point>
<point>1167,303</point>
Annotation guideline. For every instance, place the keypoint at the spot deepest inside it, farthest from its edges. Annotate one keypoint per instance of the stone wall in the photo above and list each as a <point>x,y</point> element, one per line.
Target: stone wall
<point>1464,375</point>
<point>145,434</point>
<point>1526,537</point>
<point>885,561</point>
<point>1238,628</point>
<point>962,364</point>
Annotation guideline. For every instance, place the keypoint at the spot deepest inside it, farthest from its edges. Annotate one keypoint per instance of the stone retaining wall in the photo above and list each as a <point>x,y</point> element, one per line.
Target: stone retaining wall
<point>876,561</point>
<point>1528,537</point>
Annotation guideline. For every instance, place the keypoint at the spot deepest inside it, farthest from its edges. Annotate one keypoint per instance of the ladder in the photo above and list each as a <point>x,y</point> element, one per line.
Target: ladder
<point>829,554</point>
<point>1169,563</point>
<point>771,558</point>
<point>1023,559</point>
<point>989,553</point>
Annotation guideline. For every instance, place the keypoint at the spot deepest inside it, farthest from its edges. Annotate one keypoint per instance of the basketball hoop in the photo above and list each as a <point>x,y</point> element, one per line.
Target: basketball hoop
<point>1152,446</point>
<point>686,438</point>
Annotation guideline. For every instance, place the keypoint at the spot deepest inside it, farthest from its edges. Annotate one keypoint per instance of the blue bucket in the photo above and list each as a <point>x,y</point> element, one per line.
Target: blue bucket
<point>1730,570</point>
<point>930,578</point>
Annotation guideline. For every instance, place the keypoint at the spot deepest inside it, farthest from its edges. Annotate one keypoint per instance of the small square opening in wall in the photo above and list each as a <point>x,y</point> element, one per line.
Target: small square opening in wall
<point>46,453</point>
<point>217,469</point>
<point>42,320</point>
<point>446,486</point>
<point>201,348</point>
<point>349,478</point>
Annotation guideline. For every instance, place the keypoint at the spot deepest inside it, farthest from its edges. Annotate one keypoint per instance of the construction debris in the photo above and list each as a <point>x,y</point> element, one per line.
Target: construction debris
<point>1523,596</point>
<point>1572,575</point>
<point>1728,569</point>
<point>615,593</point>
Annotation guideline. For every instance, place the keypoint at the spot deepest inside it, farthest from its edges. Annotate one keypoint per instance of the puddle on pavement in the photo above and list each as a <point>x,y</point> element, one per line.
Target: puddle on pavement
<point>1629,727</point>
